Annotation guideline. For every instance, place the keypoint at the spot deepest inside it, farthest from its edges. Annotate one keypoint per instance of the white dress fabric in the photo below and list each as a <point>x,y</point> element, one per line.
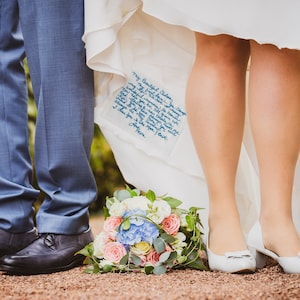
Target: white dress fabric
<point>266,21</point>
<point>142,53</point>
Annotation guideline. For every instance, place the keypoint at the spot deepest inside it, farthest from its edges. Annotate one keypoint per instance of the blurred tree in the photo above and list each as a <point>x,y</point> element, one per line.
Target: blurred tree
<point>31,111</point>
<point>105,169</point>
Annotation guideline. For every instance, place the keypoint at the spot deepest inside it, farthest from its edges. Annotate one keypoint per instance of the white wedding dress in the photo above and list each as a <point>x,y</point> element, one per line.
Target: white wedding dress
<point>142,53</point>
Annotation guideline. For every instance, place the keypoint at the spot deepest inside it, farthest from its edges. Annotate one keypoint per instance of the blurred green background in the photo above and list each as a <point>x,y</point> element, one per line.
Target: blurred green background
<point>106,172</point>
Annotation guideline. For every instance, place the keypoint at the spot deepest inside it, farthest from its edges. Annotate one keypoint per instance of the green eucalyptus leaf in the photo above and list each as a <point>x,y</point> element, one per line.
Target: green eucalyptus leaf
<point>164,256</point>
<point>136,260</point>
<point>122,194</point>
<point>172,257</point>
<point>159,269</point>
<point>124,260</point>
<point>169,239</point>
<point>159,245</point>
<point>170,264</point>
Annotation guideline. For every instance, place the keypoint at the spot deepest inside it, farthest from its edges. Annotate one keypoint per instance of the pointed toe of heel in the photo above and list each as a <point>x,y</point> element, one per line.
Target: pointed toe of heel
<point>232,262</point>
<point>290,265</point>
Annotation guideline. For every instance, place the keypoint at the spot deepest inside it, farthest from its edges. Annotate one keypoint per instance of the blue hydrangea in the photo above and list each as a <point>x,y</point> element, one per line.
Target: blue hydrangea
<point>141,230</point>
<point>135,216</point>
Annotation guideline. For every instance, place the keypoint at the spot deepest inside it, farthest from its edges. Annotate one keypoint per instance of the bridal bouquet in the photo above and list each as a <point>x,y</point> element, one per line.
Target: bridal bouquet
<point>145,233</point>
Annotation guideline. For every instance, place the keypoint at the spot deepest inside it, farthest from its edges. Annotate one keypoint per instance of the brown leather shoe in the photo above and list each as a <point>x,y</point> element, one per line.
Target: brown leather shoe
<point>48,253</point>
<point>13,242</point>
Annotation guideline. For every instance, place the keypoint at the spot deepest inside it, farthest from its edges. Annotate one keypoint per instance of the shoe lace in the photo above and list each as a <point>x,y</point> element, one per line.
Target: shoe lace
<point>49,240</point>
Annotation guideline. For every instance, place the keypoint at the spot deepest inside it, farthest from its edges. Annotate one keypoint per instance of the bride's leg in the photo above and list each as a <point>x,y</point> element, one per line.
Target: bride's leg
<point>215,107</point>
<point>275,117</point>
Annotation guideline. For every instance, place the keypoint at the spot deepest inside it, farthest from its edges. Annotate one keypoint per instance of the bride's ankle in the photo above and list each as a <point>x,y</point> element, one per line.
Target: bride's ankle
<point>226,236</point>
<point>280,236</point>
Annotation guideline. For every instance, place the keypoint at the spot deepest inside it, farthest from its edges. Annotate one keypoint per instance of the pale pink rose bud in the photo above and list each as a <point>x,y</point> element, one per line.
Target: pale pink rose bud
<point>143,260</point>
<point>110,225</point>
<point>113,252</point>
<point>171,224</point>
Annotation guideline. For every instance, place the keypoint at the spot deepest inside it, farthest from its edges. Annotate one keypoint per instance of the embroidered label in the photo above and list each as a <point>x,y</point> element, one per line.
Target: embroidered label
<point>148,109</point>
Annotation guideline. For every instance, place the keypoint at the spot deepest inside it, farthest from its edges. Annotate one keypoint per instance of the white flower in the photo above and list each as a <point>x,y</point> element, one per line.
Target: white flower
<point>117,209</point>
<point>99,243</point>
<point>137,202</point>
<point>105,262</point>
<point>183,222</point>
<point>160,210</point>
<point>180,243</point>
<point>180,236</point>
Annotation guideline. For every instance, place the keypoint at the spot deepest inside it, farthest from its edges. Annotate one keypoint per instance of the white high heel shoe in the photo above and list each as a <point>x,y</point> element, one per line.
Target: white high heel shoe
<point>255,242</point>
<point>231,262</point>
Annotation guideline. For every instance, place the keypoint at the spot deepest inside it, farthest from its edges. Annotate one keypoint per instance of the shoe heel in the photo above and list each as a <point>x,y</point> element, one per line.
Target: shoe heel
<point>260,258</point>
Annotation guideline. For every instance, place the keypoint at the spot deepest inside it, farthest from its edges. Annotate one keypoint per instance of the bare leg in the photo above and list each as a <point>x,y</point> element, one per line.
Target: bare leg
<point>275,119</point>
<point>215,108</point>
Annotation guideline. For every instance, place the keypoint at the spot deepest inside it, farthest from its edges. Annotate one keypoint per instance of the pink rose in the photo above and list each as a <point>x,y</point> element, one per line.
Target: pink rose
<point>171,224</point>
<point>113,252</point>
<point>110,226</point>
<point>153,257</point>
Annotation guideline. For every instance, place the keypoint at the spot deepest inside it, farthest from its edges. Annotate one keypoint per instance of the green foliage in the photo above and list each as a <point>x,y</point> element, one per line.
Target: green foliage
<point>105,169</point>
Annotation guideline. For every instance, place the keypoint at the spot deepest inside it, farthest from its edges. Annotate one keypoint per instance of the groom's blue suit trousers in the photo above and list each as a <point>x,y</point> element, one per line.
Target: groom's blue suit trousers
<point>63,90</point>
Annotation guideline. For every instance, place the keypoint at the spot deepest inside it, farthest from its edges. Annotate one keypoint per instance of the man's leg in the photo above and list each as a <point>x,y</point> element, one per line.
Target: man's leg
<point>63,88</point>
<point>64,92</point>
<point>16,192</point>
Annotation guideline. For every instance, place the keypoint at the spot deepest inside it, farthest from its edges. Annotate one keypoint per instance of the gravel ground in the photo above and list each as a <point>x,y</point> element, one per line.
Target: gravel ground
<point>268,283</point>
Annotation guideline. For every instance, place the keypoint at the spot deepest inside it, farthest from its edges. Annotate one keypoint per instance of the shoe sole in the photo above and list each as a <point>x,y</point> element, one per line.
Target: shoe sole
<point>11,270</point>
<point>246,271</point>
